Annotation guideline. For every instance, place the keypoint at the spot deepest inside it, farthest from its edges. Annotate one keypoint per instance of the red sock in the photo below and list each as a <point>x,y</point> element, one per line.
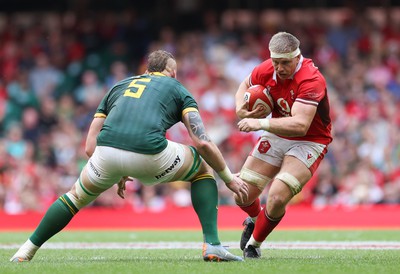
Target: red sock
<point>252,210</point>
<point>264,226</point>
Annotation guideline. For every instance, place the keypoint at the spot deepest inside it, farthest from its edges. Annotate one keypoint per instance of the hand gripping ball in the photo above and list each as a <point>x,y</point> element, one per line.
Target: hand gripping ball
<point>258,95</point>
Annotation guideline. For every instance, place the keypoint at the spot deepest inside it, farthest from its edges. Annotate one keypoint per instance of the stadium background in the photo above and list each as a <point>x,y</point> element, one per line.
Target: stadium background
<point>58,58</point>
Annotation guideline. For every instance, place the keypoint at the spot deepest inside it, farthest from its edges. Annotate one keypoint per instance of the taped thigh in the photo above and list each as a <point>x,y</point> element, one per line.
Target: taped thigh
<point>290,181</point>
<point>254,178</point>
<point>83,196</point>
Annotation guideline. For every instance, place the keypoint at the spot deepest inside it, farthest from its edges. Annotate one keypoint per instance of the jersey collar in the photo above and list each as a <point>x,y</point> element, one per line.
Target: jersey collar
<point>157,74</point>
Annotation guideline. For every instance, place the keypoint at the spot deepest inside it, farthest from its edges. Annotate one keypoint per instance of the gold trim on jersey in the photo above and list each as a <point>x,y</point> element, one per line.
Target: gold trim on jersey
<point>186,110</point>
<point>157,73</point>
<point>100,115</point>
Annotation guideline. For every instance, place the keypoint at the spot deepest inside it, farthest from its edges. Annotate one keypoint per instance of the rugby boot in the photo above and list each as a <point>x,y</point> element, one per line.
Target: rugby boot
<point>218,253</point>
<point>247,231</point>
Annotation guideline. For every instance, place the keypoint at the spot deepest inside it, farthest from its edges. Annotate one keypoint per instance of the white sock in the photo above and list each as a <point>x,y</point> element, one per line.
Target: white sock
<point>26,251</point>
<point>253,242</point>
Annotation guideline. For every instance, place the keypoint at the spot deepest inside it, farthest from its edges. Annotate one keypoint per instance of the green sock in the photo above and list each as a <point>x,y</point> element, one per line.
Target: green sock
<point>204,195</point>
<point>56,218</point>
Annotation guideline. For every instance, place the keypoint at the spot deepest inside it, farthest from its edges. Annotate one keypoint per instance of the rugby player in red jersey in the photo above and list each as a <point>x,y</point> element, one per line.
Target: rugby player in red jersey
<point>294,141</point>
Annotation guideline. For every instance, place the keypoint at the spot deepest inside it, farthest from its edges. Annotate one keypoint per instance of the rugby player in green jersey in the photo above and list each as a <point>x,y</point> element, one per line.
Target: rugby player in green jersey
<point>127,139</point>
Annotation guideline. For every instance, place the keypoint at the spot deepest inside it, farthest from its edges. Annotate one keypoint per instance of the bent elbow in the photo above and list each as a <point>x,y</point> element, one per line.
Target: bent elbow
<point>89,151</point>
<point>302,130</point>
<point>297,130</point>
<point>203,146</point>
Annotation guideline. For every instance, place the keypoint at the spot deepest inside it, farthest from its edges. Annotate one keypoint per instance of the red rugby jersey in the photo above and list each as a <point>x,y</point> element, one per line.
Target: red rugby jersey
<point>307,86</point>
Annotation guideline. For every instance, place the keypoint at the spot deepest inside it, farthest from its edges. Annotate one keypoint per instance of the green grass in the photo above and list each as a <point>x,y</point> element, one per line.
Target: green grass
<point>180,261</point>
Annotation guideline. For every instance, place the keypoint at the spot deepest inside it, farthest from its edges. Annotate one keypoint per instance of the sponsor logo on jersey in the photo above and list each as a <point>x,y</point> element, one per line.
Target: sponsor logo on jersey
<point>95,171</point>
<point>170,168</point>
<point>284,108</point>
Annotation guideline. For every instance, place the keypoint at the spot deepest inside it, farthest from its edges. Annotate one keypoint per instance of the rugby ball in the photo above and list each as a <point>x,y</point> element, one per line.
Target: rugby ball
<point>257,95</point>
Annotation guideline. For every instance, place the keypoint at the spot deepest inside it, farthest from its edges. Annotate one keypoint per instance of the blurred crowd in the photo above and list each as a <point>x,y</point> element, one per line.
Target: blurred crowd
<point>55,67</point>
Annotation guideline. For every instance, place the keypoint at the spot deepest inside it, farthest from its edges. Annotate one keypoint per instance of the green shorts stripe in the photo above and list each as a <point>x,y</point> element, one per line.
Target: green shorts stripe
<point>85,190</point>
<point>195,165</point>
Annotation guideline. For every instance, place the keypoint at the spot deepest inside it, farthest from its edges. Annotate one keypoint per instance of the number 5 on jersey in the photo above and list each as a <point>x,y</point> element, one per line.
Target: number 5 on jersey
<point>139,88</point>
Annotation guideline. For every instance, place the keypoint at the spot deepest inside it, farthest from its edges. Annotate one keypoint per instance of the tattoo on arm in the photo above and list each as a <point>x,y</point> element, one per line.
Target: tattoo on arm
<point>197,126</point>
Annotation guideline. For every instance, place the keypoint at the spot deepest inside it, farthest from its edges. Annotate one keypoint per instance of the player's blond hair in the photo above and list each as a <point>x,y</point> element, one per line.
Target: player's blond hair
<point>157,60</point>
<point>283,42</point>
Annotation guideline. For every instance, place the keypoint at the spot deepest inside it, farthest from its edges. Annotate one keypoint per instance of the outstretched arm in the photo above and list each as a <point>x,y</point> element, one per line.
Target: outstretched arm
<point>211,154</point>
<point>207,149</point>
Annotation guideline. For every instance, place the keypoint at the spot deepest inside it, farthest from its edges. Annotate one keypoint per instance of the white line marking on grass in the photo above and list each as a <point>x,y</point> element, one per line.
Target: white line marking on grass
<point>370,245</point>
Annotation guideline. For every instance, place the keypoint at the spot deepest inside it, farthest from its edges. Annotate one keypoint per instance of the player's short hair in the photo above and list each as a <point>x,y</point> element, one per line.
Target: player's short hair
<point>157,60</point>
<point>283,42</point>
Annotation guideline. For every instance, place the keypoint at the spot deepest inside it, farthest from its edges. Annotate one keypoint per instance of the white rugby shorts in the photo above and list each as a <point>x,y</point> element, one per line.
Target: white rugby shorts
<point>107,165</point>
<point>272,149</point>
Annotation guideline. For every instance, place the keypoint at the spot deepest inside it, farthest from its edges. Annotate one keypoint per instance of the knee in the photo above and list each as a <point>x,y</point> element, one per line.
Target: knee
<point>240,203</point>
<point>254,194</point>
<point>256,183</point>
<point>276,201</point>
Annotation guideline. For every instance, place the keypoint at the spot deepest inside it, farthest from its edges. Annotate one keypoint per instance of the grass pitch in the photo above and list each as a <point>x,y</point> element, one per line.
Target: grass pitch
<point>178,252</point>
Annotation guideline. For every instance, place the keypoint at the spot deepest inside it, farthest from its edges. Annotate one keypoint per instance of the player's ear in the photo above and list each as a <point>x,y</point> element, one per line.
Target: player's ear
<point>173,73</point>
<point>171,68</point>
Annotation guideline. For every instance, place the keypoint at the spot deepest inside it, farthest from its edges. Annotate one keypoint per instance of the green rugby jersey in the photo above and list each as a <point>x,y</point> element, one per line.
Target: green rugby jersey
<point>140,109</point>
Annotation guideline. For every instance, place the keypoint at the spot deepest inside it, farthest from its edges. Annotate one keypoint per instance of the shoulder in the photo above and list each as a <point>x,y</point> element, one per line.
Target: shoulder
<point>309,75</point>
<point>263,72</point>
<point>309,71</point>
<point>265,67</point>
<point>122,84</point>
<point>177,86</point>
<point>311,83</point>
<point>166,81</point>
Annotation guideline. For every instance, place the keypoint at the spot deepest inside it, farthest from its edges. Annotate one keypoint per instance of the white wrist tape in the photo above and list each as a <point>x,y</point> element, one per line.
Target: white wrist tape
<point>226,175</point>
<point>264,123</point>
